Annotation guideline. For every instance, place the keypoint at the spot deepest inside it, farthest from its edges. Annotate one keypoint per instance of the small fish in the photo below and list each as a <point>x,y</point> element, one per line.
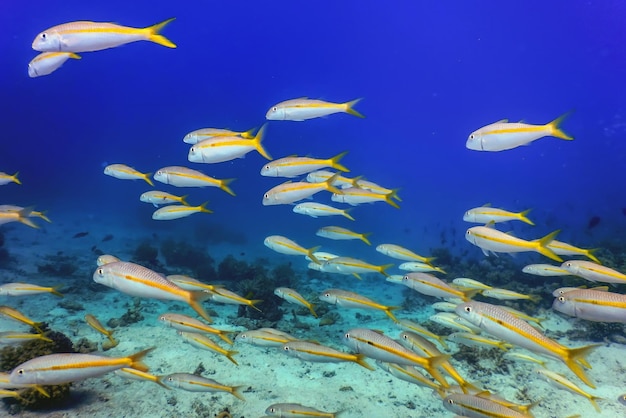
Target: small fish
<point>418,266</point>
<point>401,253</point>
<point>286,246</point>
<point>292,296</point>
<point>290,192</point>
<point>205,343</point>
<point>305,108</point>
<point>430,285</point>
<point>85,36</point>
<point>563,248</point>
<point>491,240</point>
<point>95,324</point>
<point>16,315</point>
<point>409,325</point>
<point>470,283</point>
<point>559,381</point>
<point>157,197</point>
<point>48,62</point>
<point>170,212</point>
<point>107,237</point>
<point>134,374</point>
<point>453,321</point>
<point>486,214</point>
<point>185,177</point>
<point>56,369</point>
<point>124,172</point>
<point>314,210</point>
<point>12,337</point>
<point>294,410</point>
<point>33,213</point>
<point>186,323</point>
<point>505,294</point>
<point>189,283</point>
<point>355,196</point>
<point>478,406</point>
<point>347,299</point>
<point>7,178</point>
<point>472,340</point>
<point>18,216</point>
<point>219,294</point>
<point>339,233</point>
<point>546,270</point>
<point>308,351</point>
<point>349,265</point>
<point>525,357</point>
<point>294,166</point>
<point>226,148</point>
<point>23,289</point>
<point>80,234</point>
<point>265,337</point>
<point>320,176</point>
<point>593,222</point>
<point>373,187</point>
<point>502,135</point>
<point>198,135</point>
<point>105,259</point>
<point>408,374</point>
<point>593,272</point>
<point>193,383</point>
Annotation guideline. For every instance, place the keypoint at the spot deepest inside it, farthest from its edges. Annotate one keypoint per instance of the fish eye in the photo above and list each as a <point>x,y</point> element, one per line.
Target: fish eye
<point>274,109</point>
<point>44,36</point>
<point>267,167</point>
<point>170,379</point>
<point>193,150</point>
<point>561,299</point>
<point>450,401</point>
<point>468,309</point>
<point>326,295</point>
<point>472,136</point>
<point>346,335</point>
<point>286,348</point>
<point>405,278</point>
<point>266,196</point>
<point>272,410</point>
<point>568,264</point>
<point>20,371</point>
<point>405,337</point>
<point>100,271</point>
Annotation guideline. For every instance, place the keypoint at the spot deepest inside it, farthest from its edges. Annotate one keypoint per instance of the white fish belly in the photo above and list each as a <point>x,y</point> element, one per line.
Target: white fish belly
<point>500,247</point>
<point>222,154</point>
<point>294,195</point>
<point>96,41</point>
<point>48,65</point>
<point>304,113</point>
<point>145,291</point>
<point>501,142</point>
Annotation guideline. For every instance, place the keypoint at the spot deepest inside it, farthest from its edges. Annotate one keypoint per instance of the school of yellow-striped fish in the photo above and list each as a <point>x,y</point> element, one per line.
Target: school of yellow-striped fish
<point>474,312</point>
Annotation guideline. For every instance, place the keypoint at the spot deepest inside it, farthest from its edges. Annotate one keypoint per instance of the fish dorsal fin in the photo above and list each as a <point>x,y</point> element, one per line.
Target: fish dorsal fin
<point>501,121</point>
<point>487,205</point>
<point>490,224</point>
<point>485,394</point>
<point>379,331</point>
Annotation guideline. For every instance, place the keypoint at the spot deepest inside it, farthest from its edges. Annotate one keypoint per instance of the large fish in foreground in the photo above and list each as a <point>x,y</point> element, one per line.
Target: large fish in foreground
<point>491,240</point>
<point>85,36</point>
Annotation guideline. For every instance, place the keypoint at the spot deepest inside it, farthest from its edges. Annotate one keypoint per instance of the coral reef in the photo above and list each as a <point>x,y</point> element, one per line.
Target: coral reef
<point>131,316</point>
<point>58,265</point>
<point>145,254</point>
<point>196,263</point>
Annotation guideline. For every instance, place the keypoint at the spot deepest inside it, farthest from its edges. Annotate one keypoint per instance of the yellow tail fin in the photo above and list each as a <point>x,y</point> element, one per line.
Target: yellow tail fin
<point>136,358</point>
<point>346,214</point>
<point>364,236</point>
<point>146,177</point>
<point>310,252</point>
<point>350,108</point>
<point>555,129</point>
<point>575,357</point>
<point>523,218</point>
<point>544,250</point>
<point>154,36</point>
<point>257,143</point>
<point>15,179</point>
<point>334,162</point>
<point>224,186</point>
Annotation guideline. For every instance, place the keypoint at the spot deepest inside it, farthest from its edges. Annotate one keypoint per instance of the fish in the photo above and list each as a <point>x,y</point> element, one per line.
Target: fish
<point>355,196</point>
<point>478,406</point>
<point>290,192</point>
<point>189,283</point>
<point>455,322</point>
<point>105,259</point>
<point>8,178</point>
<point>380,347</point>
<point>408,374</point>
<point>470,283</point>
<point>525,357</point>
<point>559,381</point>
<point>85,36</point>
<point>430,285</point>
<point>157,197</point>
<point>95,324</point>
<point>219,294</point>
<point>502,135</point>
<point>16,315</point>
<point>505,294</point>
<point>308,351</point>
<point>48,62</point>
<point>546,270</point>
<point>286,246</point>
<point>491,240</point>
<point>292,296</point>
<point>472,340</point>
<point>57,369</point>
<point>412,326</point>
<point>315,210</point>
<point>349,265</point>
<point>593,222</point>
<point>486,214</point>
<point>505,326</point>
<point>320,176</point>
<point>226,148</point>
<point>24,289</point>
<point>444,306</point>
<point>401,253</point>
<point>563,248</point>
<point>170,212</point>
<point>265,337</point>
<point>186,323</point>
<point>186,177</point>
<point>304,108</point>
<point>18,216</point>
<point>136,280</point>
<point>339,233</point>
<point>418,266</point>
<point>194,383</point>
<point>203,342</point>
<point>293,410</point>
<point>592,305</point>
<point>134,374</point>
<point>80,234</point>
<point>107,237</point>
<point>12,337</point>
<point>124,172</point>
<point>198,135</point>
<point>32,214</point>
<point>347,299</point>
<point>375,188</point>
<point>295,166</point>
<point>593,272</point>
<point>5,384</point>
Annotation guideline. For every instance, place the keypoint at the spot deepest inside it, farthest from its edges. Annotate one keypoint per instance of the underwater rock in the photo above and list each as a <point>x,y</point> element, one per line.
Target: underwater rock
<point>58,265</point>
<point>181,254</point>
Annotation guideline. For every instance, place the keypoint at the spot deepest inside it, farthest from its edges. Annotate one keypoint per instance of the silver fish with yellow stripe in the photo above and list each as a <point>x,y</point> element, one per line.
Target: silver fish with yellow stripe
<point>294,410</point>
<point>339,233</point>
<point>48,62</point>
<point>308,351</point>
<point>292,296</point>
<point>347,299</point>
<point>290,192</point>
<point>295,166</point>
<point>491,240</point>
<point>170,212</point>
<point>186,177</point>
<point>401,253</point>
<point>592,305</point>
<point>194,383</point>
<point>124,172</point>
<point>198,135</point>
<point>304,108</point>
<point>226,148</point>
<point>594,272</point>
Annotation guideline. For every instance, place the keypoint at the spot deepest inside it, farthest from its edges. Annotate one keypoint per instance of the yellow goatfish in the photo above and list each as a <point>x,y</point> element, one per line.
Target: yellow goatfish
<point>401,253</point>
<point>189,283</point>
<point>314,210</point>
<point>505,294</point>
<point>12,337</point>
<point>194,383</point>
<point>205,343</point>
<point>295,166</point>
<point>186,323</point>
<point>134,374</point>
<point>124,172</point>
<point>308,351</point>
<point>305,108</point>
<point>373,187</point>
<point>33,213</point>
<point>290,192</point>
<point>265,337</point>
<point>18,316</point>
<point>220,294</point>
<point>339,233</point>
<point>198,135</point>
<point>491,240</point>
<point>355,196</point>
<point>563,248</point>
<point>546,270</point>
<point>409,325</point>
<point>226,148</point>
<point>85,36</point>
<point>18,216</point>
<point>594,272</point>
<point>48,62</point>
<point>502,135</point>
<point>170,212</point>
<point>286,246</point>
<point>7,178</point>
<point>320,176</point>
<point>559,381</point>
<point>478,406</point>
<point>486,214</point>
<point>293,296</point>
<point>186,177</point>
<point>430,285</point>
<point>297,410</point>
<point>136,280</point>
<point>349,265</point>
<point>157,197</point>
<point>347,299</point>
<point>23,289</point>
<point>95,324</point>
<point>56,369</point>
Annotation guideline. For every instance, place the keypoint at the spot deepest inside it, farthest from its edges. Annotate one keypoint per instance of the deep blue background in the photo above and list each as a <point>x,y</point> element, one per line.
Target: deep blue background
<point>429,73</point>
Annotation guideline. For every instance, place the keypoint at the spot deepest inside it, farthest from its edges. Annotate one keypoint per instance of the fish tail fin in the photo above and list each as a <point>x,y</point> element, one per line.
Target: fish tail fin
<point>442,341</point>
<point>183,200</point>
<point>154,36</point>
<point>575,357</point>
<point>258,139</point>
<point>334,162</point>
<point>593,400</point>
<point>41,390</point>
<point>357,276</point>
<point>23,217</point>
<point>15,179</point>
<point>194,301</point>
<point>590,254</point>
<point>310,252</point>
<point>543,246</point>
<point>312,310</point>
<point>523,218</point>
<point>347,215</point>
<point>75,56</point>
<point>329,184</point>
<point>390,314</point>
<point>136,360</point>
<point>43,216</point>
<point>237,392</point>
<point>394,194</point>
<point>535,298</point>
<point>383,269</point>
<point>469,294</point>
<point>389,198</point>
<point>363,237</point>
<point>225,338</point>
<point>224,186</point>
<point>350,108</point>
<point>146,177</point>
<point>433,363</point>
<point>203,208</point>
<point>555,129</point>
<point>55,292</point>
<point>255,302</point>
<point>44,338</point>
<point>360,360</point>
<point>249,134</point>
<point>229,355</point>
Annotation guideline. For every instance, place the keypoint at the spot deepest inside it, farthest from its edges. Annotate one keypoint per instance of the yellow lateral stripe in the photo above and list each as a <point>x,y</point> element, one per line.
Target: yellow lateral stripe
<point>119,30</point>
<point>365,302</point>
<point>441,287</point>
<point>338,355</point>
<point>240,142</point>
<point>170,289</point>
<point>420,360</point>
<point>292,247</point>
<point>605,272</point>
<point>526,129</point>
<point>483,411</point>
<point>88,364</point>
<point>514,242</point>
<point>612,304</point>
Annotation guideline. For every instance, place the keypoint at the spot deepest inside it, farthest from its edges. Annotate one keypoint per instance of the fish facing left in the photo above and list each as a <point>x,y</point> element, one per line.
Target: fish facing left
<point>48,62</point>
<point>85,36</point>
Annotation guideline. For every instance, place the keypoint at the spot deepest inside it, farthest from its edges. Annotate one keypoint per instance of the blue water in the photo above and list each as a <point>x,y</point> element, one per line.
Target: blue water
<point>429,74</point>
